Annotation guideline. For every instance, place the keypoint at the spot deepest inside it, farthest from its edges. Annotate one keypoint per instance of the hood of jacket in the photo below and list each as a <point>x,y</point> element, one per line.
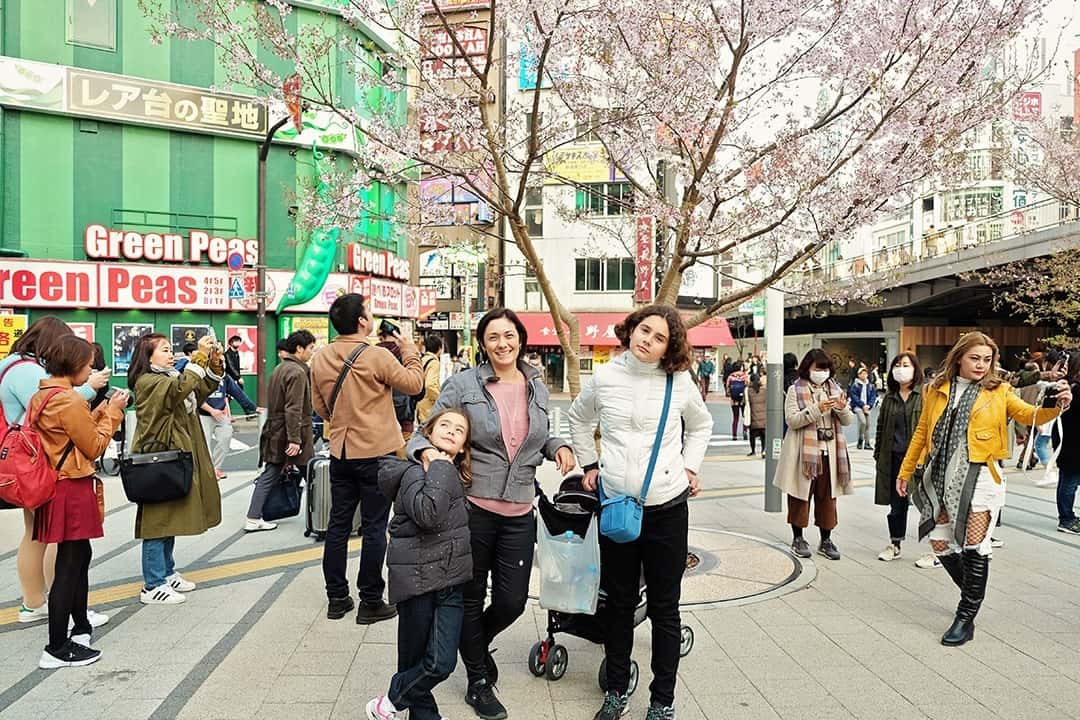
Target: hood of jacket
<point>391,472</point>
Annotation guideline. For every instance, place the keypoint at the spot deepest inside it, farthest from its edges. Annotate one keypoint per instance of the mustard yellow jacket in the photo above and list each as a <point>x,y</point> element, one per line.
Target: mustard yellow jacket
<point>988,438</point>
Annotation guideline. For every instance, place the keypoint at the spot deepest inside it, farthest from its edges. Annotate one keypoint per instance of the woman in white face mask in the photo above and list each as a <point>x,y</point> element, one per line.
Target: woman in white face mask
<point>814,459</point>
<point>896,421</point>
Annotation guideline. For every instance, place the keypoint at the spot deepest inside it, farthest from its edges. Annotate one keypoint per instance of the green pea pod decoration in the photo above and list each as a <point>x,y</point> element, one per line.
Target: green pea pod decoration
<point>315,266</point>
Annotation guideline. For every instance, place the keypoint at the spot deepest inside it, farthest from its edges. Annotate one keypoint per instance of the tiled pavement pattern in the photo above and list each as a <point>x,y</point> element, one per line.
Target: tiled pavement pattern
<point>860,641</point>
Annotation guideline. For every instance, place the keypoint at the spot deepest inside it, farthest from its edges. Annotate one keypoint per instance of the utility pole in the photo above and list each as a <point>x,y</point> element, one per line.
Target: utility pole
<point>774,414</point>
<point>262,377</point>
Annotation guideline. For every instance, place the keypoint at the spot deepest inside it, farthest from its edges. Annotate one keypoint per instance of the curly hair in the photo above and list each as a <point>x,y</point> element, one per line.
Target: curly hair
<point>678,356</point>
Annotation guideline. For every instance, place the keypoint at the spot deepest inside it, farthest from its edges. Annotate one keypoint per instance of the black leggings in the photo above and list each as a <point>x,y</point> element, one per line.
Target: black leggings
<point>754,435</point>
<point>67,597</point>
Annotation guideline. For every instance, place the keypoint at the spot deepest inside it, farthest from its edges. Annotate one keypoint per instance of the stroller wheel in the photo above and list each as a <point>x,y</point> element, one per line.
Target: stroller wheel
<point>633,677</point>
<point>601,676</point>
<point>537,659</point>
<point>686,640</point>
<point>558,659</point>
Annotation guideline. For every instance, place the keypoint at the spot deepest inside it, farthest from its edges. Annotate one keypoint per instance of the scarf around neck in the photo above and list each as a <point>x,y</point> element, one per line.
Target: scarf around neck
<point>811,453</point>
<point>189,401</point>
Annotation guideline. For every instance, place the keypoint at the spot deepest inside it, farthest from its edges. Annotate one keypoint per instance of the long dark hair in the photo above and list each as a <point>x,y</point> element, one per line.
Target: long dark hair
<point>41,337</point>
<point>890,381</point>
<point>495,314</point>
<point>679,355</point>
<point>140,357</point>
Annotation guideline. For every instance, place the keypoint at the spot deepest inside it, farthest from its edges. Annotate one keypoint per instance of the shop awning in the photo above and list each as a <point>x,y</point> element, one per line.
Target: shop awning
<point>598,329</point>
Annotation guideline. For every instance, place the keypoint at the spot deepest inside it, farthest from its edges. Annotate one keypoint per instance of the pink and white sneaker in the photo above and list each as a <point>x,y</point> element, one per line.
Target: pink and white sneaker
<point>381,708</point>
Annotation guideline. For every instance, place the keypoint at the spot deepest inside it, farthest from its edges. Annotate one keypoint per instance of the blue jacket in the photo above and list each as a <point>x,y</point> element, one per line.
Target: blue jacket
<point>855,394</point>
<point>21,383</point>
<point>220,397</point>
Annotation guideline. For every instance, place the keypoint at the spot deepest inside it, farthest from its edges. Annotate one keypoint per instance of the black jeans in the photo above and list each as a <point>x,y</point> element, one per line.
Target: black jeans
<point>352,483</point>
<point>429,628</point>
<point>898,504</point>
<point>756,434</point>
<point>502,547</point>
<point>1068,481</point>
<point>67,597</point>
<point>661,550</point>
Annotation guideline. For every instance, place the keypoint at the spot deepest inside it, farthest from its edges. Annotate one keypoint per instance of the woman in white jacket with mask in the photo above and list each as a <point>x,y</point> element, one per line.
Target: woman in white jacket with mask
<point>626,396</point>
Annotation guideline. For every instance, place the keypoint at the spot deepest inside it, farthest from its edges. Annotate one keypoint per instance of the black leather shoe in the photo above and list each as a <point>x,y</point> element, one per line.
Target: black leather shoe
<point>339,608</point>
<point>954,565</point>
<point>371,613</point>
<point>972,592</point>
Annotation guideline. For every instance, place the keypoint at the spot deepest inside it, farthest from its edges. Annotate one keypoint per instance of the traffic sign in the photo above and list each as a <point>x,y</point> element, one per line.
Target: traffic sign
<point>236,289</point>
<point>236,261</point>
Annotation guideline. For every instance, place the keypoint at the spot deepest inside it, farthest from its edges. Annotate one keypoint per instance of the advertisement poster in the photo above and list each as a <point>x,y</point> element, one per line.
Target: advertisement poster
<point>183,334</point>
<point>124,339</point>
<point>12,328</point>
<point>248,345</point>
<point>319,326</point>
<point>83,330</point>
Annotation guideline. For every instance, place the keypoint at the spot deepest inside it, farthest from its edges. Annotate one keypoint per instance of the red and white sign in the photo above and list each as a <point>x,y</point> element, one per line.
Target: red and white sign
<point>381,263</point>
<point>429,298</point>
<point>1017,217</point>
<point>598,329</point>
<point>172,288</point>
<point>102,243</point>
<point>645,242</point>
<point>83,330</point>
<point>28,283</point>
<point>436,136</point>
<point>439,44</point>
<point>411,302</point>
<point>248,345</point>
<point>448,68</point>
<point>387,298</point>
<point>1027,107</point>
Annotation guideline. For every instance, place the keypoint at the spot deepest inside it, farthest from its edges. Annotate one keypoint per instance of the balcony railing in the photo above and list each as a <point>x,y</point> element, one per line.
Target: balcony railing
<point>940,242</point>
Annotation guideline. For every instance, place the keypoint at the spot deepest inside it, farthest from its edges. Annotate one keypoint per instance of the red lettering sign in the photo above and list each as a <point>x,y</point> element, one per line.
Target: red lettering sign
<point>645,241</point>
<point>381,263</point>
<point>473,41</point>
<point>48,284</point>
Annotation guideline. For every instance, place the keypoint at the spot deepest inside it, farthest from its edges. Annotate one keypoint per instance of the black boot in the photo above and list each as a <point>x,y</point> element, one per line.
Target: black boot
<point>954,565</point>
<point>976,571</point>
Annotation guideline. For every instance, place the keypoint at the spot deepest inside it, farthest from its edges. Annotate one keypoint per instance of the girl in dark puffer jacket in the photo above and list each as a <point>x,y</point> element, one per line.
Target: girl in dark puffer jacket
<point>429,559</point>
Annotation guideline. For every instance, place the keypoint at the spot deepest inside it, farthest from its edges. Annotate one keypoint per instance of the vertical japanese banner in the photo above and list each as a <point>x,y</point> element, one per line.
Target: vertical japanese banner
<point>12,328</point>
<point>645,242</point>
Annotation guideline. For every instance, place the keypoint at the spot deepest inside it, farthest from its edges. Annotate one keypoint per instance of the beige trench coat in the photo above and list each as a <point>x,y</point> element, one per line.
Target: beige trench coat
<point>790,477</point>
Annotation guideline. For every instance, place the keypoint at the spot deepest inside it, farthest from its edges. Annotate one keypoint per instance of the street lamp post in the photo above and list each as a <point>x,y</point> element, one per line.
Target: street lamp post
<point>774,414</point>
<point>262,377</point>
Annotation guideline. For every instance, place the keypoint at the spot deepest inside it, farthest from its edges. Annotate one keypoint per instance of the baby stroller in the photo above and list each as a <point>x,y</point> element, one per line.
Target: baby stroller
<point>571,509</point>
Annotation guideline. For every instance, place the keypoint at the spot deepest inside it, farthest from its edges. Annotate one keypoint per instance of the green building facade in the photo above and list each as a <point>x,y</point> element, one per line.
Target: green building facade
<point>83,144</point>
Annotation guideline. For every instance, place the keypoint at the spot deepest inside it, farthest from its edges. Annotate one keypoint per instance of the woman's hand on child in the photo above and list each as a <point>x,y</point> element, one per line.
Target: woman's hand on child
<point>589,481</point>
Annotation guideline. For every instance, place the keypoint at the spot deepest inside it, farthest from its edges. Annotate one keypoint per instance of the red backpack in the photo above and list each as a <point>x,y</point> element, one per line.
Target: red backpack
<point>27,478</point>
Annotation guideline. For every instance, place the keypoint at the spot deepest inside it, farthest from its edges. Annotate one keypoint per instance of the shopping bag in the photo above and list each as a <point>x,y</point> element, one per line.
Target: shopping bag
<point>569,569</point>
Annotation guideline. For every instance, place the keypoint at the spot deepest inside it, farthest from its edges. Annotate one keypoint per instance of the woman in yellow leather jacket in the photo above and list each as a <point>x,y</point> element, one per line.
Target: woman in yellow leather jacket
<point>958,442</point>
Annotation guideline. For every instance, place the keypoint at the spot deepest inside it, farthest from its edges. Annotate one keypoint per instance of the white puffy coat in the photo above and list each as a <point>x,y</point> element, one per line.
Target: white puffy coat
<point>627,397</point>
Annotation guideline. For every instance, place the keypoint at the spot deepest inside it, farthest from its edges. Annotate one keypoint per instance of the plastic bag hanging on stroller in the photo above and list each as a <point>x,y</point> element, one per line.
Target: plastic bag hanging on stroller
<point>568,551</point>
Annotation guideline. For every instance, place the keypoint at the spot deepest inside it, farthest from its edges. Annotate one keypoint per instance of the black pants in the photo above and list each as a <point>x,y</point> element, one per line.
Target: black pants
<point>898,504</point>
<point>754,435</point>
<point>352,483</point>
<point>502,547</point>
<point>661,551</point>
<point>429,628</point>
<point>736,410</point>
<point>67,597</point>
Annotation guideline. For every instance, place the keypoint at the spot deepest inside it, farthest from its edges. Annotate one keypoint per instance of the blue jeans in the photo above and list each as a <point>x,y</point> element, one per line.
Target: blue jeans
<point>1068,481</point>
<point>1043,449</point>
<point>157,561</point>
<point>429,628</point>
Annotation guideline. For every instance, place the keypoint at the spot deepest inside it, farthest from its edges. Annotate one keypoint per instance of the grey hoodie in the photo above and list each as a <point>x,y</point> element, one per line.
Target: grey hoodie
<point>430,547</point>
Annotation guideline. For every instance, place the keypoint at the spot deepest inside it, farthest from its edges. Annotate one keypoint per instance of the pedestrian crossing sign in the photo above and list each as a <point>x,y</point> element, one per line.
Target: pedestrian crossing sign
<point>236,289</point>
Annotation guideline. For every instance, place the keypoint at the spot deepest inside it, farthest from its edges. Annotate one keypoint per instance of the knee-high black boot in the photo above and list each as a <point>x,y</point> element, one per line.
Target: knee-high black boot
<point>976,571</point>
<point>954,565</point>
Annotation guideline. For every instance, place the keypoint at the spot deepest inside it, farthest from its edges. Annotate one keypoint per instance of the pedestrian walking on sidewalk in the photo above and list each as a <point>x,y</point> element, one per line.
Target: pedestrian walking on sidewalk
<point>1068,460</point>
<point>628,396</point>
<point>757,403</point>
<point>430,563</point>
<point>863,397</point>
<point>287,436</point>
<point>165,416</point>
<point>72,439</point>
<point>736,390</point>
<point>959,442</point>
<point>216,419</point>
<point>506,402</point>
<point>899,413</point>
<point>351,389</point>
<point>814,463</point>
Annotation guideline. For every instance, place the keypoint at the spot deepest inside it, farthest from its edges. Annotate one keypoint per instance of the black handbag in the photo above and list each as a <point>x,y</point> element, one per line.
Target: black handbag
<point>284,498</point>
<point>157,476</point>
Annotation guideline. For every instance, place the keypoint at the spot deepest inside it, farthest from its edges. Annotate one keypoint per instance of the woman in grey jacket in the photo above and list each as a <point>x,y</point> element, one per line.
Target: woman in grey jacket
<point>507,407</point>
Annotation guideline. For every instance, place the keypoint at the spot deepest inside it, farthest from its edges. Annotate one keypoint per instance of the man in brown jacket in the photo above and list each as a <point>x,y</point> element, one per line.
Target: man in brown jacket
<point>363,429</point>
<point>430,362</point>
<point>287,437</point>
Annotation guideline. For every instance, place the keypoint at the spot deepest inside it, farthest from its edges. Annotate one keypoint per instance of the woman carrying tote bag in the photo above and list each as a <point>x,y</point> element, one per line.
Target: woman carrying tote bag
<point>166,403</point>
<point>627,397</point>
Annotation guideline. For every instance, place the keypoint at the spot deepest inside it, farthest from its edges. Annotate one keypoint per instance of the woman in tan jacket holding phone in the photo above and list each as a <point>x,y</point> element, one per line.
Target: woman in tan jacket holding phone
<point>73,438</point>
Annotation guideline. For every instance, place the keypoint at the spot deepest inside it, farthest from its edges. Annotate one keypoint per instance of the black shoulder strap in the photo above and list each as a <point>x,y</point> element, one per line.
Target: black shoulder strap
<point>344,372</point>
<point>64,457</point>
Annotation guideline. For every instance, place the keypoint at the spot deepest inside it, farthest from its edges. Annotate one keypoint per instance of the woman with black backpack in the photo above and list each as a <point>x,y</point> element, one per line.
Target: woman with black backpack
<point>736,390</point>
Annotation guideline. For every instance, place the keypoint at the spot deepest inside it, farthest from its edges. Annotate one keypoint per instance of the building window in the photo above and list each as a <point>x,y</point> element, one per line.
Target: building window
<point>963,205</point>
<point>604,274</point>
<point>587,123</point>
<point>892,239</point>
<point>585,364</point>
<point>605,199</point>
<point>534,298</point>
<point>92,24</point>
<point>534,212</point>
<point>727,272</point>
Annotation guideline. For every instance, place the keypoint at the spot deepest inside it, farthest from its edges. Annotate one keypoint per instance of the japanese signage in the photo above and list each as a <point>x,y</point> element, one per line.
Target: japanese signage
<point>1027,107</point>
<point>104,243</point>
<point>428,301</point>
<point>449,6</point>
<point>248,345</point>
<point>316,325</point>
<point>436,136</point>
<point>12,328</point>
<point>84,330</point>
<point>438,43</point>
<point>645,244</point>
<point>382,263</point>
<point>160,103</point>
<point>598,330</point>
<point>387,297</point>
<point>580,163</point>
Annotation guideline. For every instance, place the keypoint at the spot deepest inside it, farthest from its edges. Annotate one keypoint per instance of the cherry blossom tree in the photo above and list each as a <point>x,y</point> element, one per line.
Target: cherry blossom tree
<point>756,128</point>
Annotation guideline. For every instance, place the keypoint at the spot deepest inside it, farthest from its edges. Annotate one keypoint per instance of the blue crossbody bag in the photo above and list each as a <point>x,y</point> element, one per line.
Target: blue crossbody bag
<point>620,515</point>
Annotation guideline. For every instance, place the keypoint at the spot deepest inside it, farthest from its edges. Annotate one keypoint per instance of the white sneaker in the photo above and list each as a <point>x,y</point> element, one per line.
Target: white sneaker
<point>33,615</point>
<point>161,595</point>
<point>995,543</point>
<point>258,525</point>
<point>71,655</point>
<point>381,708</point>
<point>82,639</point>
<point>928,561</point>
<point>177,582</point>
<point>96,619</point>
<point>890,553</point>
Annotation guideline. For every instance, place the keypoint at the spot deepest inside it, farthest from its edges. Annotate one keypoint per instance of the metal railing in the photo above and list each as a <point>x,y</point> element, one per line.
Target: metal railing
<point>940,242</point>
